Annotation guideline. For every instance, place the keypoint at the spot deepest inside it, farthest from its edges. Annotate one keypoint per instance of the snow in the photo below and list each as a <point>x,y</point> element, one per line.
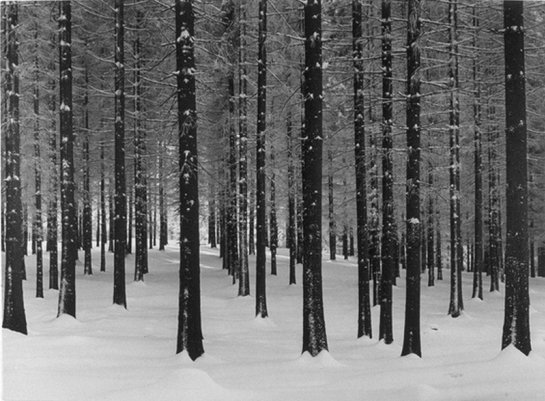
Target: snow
<point>109,353</point>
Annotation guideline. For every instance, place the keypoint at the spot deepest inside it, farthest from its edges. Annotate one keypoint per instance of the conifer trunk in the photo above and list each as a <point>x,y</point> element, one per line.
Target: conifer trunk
<point>291,229</point>
<point>87,208</point>
<point>273,226</point>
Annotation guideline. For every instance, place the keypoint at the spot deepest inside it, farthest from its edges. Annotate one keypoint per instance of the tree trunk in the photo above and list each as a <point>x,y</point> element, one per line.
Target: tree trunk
<point>364,307</point>
<point>211,214</point>
<point>331,206</point>
<point>120,218</point>
<point>14,310</point>
<point>493,214</point>
<point>411,337</point>
<point>388,224</point>
<point>291,238</point>
<point>244,276</point>
<point>87,208</point>
<point>104,238</point>
<point>67,293</point>
<point>516,326</point>
<point>314,333</point>
<point>189,312</point>
<point>541,261</point>
<point>430,229</point>
<point>140,182</point>
<point>273,226</point>
<point>261,209</point>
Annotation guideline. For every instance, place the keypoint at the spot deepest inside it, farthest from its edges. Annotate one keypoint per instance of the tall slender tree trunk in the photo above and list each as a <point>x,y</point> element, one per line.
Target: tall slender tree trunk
<point>291,236</point>
<point>273,226</point>
<point>104,237</point>
<point>244,276</point>
<point>140,182</point>
<point>493,196</point>
<point>212,214</point>
<point>388,223</point>
<point>314,333</point>
<point>163,223</point>
<point>261,208</point>
<point>331,205</point>
<point>52,230</point>
<point>478,255</point>
<point>364,306</point>
<point>38,230</point>
<point>411,336</point>
<point>516,326</point>
<point>14,310</point>
<point>189,312</point>
<point>430,229</point>
<point>456,304</point>
<point>120,218</point>
<point>67,293</point>
<point>87,208</point>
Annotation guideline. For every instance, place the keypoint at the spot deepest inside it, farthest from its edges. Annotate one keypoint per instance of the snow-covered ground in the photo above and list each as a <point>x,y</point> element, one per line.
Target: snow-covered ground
<point>109,353</point>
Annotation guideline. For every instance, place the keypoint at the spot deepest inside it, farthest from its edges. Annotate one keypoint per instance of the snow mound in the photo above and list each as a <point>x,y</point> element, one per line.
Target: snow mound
<point>264,322</point>
<point>322,360</point>
<point>364,340</point>
<point>65,321</point>
<point>182,383</point>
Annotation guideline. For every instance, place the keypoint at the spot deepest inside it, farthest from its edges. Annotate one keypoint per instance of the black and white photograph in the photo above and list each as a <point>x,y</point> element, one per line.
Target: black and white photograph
<point>272,200</point>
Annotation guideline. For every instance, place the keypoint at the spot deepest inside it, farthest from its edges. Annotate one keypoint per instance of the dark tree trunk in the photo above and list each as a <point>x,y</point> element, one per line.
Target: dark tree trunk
<point>189,312</point>
<point>364,307</point>
<point>87,208</point>
<point>351,250</point>
<point>251,215</point>
<point>140,182</point>
<point>273,226</point>
<point>261,209</point>
<point>411,337</point>
<point>456,304</point>
<point>430,229</point>
<point>67,293</point>
<point>52,230</point>
<point>291,235</point>
<point>388,223</point>
<point>244,275</point>
<point>129,222</point>
<point>516,326</point>
<point>493,195</point>
<point>104,238</point>
<point>120,218</point>
<point>331,207</point>
<point>212,214</point>
<point>345,242</point>
<point>14,309</point>
<point>111,233</point>
<point>232,238</point>
<point>38,230</point>
<point>478,255</point>
<point>532,259</point>
<point>374,243</point>
<point>314,333</point>
<point>541,261</point>
<point>163,224</point>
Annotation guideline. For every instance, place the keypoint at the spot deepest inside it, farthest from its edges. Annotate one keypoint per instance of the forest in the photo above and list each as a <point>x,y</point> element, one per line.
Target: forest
<point>194,190</point>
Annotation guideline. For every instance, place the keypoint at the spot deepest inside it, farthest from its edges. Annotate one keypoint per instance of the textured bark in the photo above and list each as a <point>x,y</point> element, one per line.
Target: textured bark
<point>37,226</point>
<point>364,307</point>
<point>52,210</point>
<point>478,229</point>
<point>244,276</point>
<point>430,228</point>
<point>261,211</point>
<point>273,224</point>
<point>163,219</point>
<point>104,236</point>
<point>291,229</point>
<point>388,224</point>
<point>411,336</point>
<point>111,210</point>
<point>331,206</point>
<point>494,227</point>
<point>14,310</point>
<point>212,214</point>
<point>67,293</point>
<point>120,217</point>
<point>314,333</point>
<point>541,261</point>
<point>87,221</point>
<point>129,221</point>
<point>232,224</point>
<point>189,313</point>
<point>140,182</point>
<point>516,326</point>
<point>456,304</point>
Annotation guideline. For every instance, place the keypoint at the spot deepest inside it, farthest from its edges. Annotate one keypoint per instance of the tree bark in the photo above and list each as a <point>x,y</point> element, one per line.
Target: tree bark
<point>273,226</point>
<point>291,229</point>
<point>516,326</point>
<point>87,208</point>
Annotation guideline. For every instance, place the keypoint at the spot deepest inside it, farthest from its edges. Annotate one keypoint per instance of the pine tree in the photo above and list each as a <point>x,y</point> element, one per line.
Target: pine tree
<point>411,337</point>
<point>14,309</point>
<point>87,208</point>
<point>516,326</point>
<point>189,313</point>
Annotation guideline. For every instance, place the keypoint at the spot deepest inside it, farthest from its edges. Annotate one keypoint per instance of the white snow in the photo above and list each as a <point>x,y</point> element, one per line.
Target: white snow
<point>109,353</point>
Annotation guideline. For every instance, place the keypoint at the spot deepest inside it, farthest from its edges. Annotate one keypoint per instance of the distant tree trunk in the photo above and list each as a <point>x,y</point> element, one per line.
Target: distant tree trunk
<point>411,337</point>
<point>38,234</point>
<point>163,223</point>
<point>251,217</point>
<point>331,206</point>
<point>541,261</point>
<point>351,250</point>
<point>211,214</point>
<point>104,238</point>
<point>478,255</point>
<point>261,209</point>
<point>52,229</point>
<point>438,255</point>
<point>456,303</point>
<point>273,226</point>
<point>111,223</point>
<point>120,218</point>
<point>493,195</point>
<point>14,310</point>
<point>516,326</point>
<point>232,246</point>
<point>87,208</point>
<point>430,229</point>
<point>364,307</point>
<point>67,293</point>
<point>140,182</point>
<point>244,276</point>
<point>129,222</point>
<point>291,229</point>
<point>388,223</point>
<point>532,256</point>
<point>314,333</point>
<point>374,243</point>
